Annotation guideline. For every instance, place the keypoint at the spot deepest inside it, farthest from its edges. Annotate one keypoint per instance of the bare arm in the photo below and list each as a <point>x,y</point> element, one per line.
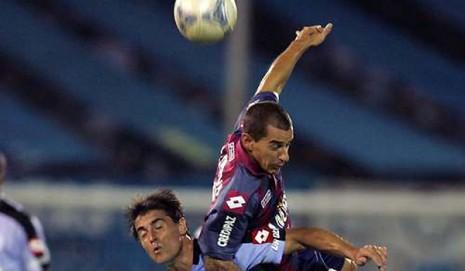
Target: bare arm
<point>281,68</point>
<point>212,264</point>
<point>301,238</point>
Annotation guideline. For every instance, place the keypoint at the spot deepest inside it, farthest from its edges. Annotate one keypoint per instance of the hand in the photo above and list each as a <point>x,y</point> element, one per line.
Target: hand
<point>377,254</point>
<point>313,35</point>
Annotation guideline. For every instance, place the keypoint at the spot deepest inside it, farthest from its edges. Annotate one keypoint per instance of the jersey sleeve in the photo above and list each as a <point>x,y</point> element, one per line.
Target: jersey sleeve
<point>250,255</point>
<point>331,261</point>
<point>226,224</point>
<point>267,96</point>
<point>314,260</point>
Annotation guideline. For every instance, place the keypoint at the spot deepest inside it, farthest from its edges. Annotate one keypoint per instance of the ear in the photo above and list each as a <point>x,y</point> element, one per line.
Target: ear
<point>247,141</point>
<point>182,226</point>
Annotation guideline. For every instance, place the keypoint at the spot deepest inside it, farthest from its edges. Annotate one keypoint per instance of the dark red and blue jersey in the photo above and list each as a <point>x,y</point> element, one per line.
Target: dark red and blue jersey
<point>248,204</point>
<point>305,260</point>
<point>312,260</point>
<point>248,256</point>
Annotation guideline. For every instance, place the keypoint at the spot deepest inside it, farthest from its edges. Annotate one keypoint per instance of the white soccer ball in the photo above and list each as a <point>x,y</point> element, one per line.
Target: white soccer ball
<point>205,21</point>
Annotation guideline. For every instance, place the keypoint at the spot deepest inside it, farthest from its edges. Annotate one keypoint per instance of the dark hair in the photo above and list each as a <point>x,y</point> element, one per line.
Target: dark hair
<point>260,115</point>
<point>164,200</point>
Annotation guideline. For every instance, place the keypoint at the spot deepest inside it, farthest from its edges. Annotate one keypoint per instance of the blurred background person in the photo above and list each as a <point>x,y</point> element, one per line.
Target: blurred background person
<point>22,240</point>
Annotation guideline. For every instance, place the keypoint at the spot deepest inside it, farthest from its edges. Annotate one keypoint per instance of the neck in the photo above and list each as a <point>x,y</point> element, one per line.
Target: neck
<point>248,158</point>
<point>183,261</point>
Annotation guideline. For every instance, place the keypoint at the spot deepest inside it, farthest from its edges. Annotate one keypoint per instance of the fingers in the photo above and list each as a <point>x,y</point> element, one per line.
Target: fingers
<point>328,28</point>
<point>377,254</point>
<point>310,30</point>
<point>383,252</point>
<point>313,35</point>
<point>361,261</point>
<point>382,255</point>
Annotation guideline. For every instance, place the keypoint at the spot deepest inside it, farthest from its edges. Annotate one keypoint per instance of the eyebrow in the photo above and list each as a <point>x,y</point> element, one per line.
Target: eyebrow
<point>276,142</point>
<point>279,142</point>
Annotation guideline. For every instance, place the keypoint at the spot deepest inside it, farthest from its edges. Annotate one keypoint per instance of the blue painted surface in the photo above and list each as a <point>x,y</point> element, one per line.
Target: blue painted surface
<point>34,139</point>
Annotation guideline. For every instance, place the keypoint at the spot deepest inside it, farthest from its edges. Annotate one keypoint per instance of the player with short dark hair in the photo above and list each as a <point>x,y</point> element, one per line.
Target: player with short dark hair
<point>259,115</point>
<point>157,222</point>
<point>22,240</point>
<point>163,200</point>
<point>248,198</point>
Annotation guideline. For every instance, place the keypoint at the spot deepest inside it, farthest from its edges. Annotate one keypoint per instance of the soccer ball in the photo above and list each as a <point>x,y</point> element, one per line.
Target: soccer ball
<point>205,21</point>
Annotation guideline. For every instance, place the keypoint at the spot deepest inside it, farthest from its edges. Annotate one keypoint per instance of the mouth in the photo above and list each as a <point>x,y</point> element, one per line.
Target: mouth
<point>156,249</point>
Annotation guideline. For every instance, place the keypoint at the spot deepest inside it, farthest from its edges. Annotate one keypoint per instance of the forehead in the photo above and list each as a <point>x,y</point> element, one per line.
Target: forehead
<point>276,134</point>
<point>150,216</point>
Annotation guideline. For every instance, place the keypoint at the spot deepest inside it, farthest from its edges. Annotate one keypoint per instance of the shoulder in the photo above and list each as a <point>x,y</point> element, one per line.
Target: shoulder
<point>265,96</point>
<point>243,183</point>
<point>11,230</point>
<point>241,193</point>
<point>245,180</point>
<point>16,213</point>
<point>8,203</point>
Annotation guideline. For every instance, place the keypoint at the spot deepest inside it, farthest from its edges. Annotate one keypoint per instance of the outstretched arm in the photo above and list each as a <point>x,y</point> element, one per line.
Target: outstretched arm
<point>301,238</point>
<point>281,68</point>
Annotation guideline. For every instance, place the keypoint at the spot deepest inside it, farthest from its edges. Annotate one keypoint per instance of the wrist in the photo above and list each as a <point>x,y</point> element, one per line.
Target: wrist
<point>351,252</point>
<point>299,46</point>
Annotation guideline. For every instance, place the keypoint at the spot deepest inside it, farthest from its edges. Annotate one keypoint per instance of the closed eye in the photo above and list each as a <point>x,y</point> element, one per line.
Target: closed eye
<point>157,224</point>
<point>142,233</point>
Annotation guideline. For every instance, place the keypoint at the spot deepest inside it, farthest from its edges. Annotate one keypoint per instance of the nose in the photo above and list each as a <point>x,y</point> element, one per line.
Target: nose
<point>152,236</point>
<point>284,155</point>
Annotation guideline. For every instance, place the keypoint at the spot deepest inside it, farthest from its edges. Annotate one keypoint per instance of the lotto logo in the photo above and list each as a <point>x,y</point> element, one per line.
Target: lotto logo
<point>235,202</point>
<point>262,236</point>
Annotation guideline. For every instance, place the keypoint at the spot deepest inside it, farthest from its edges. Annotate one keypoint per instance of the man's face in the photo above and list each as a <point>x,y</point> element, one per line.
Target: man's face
<point>271,151</point>
<point>160,237</point>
